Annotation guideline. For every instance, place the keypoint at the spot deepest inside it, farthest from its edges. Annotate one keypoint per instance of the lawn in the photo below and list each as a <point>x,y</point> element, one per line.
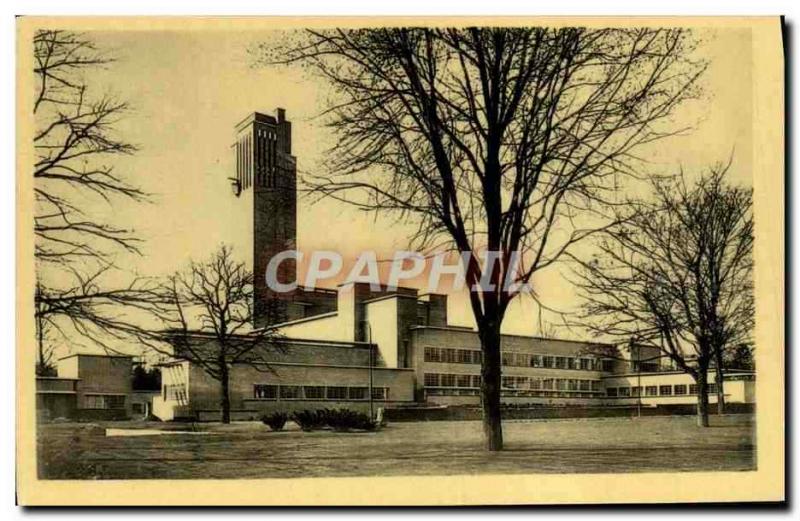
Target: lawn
<point>251,450</point>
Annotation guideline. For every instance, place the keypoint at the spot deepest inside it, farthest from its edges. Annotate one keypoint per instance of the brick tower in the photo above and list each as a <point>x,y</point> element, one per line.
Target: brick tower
<point>267,170</point>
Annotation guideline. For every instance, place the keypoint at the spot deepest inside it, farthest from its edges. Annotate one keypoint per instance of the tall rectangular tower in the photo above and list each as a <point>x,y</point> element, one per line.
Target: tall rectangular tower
<point>265,165</point>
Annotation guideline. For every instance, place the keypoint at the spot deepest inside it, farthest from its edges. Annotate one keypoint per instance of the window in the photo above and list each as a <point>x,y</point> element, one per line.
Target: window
<point>314,392</point>
<point>463,380</point>
<point>380,393</point>
<point>636,391</point>
<point>573,385</point>
<point>536,361</point>
<point>549,362</point>
<point>431,380</point>
<point>138,408</point>
<point>561,362</point>
<point>585,385</point>
<point>290,392</point>
<point>665,390</point>
<point>448,380</point>
<point>335,393</point>
<point>611,391</point>
<point>680,389</point>
<point>692,388</point>
<point>586,364</point>
<point>624,391</point>
<point>476,380</point>
<point>561,384</point>
<point>507,382</point>
<point>433,354</point>
<point>357,393</point>
<point>536,383</point>
<point>712,388</point>
<point>651,390</point>
<point>104,401</point>
<point>265,392</point>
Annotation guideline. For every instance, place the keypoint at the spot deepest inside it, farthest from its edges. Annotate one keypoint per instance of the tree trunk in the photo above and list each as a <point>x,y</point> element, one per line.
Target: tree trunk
<point>702,397</point>
<point>490,386</point>
<point>225,398</point>
<point>719,381</point>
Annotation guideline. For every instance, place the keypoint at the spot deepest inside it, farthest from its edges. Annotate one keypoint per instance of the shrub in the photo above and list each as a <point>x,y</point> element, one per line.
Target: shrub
<point>276,420</point>
<point>343,420</point>
<point>308,420</point>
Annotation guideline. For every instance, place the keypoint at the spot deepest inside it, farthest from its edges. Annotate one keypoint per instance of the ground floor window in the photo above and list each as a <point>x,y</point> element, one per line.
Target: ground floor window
<point>318,392</point>
<point>665,390</point>
<point>265,392</point>
<point>337,393</point>
<point>104,401</point>
<point>290,392</point>
<point>651,390</point>
<point>441,384</point>
<point>314,392</point>
<point>680,390</point>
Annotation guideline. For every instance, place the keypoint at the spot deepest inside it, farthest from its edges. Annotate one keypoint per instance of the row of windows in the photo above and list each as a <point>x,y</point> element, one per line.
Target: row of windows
<point>512,382</point>
<point>455,391</point>
<point>318,392</point>
<point>657,390</point>
<point>453,356</point>
<point>514,359</point>
<point>104,401</point>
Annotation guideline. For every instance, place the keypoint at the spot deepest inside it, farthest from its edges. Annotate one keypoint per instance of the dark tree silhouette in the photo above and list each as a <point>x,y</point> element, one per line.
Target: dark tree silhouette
<point>676,275</point>
<point>740,357</point>
<point>500,139</point>
<point>146,379</point>
<point>75,145</point>
<point>208,312</point>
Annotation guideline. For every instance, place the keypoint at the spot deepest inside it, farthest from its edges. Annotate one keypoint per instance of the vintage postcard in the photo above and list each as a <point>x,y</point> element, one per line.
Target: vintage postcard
<point>400,261</point>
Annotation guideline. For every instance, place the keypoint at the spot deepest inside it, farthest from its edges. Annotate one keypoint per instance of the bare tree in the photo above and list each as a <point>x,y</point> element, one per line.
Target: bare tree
<point>676,275</point>
<point>75,145</point>
<point>503,139</point>
<point>208,312</point>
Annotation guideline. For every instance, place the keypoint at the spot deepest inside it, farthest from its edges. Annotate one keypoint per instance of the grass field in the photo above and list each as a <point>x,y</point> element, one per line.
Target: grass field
<point>250,450</point>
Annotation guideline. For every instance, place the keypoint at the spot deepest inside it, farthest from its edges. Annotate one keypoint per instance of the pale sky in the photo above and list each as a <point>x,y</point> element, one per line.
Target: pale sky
<point>189,89</point>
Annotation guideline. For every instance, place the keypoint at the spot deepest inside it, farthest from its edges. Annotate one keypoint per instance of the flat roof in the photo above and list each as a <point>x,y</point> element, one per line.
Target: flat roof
<point>95,355</point>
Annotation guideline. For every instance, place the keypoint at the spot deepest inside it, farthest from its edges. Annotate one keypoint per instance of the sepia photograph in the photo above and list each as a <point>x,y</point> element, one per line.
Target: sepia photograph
<point>443,249</point>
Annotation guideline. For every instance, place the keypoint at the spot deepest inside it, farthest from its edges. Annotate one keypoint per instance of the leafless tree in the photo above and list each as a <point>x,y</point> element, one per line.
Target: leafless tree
<point>208,313</point>
<point>499,139</point>
<point>676,275</point>
<point>75,145</point>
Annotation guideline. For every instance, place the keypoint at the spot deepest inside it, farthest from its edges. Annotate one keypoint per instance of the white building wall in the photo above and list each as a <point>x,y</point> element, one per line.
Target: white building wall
<point>382,318</point>
<point>736,391</point>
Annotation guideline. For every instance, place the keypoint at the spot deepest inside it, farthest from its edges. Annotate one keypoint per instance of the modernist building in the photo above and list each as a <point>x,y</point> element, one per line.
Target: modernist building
<point>339,344</point>
<point>88,386</point>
